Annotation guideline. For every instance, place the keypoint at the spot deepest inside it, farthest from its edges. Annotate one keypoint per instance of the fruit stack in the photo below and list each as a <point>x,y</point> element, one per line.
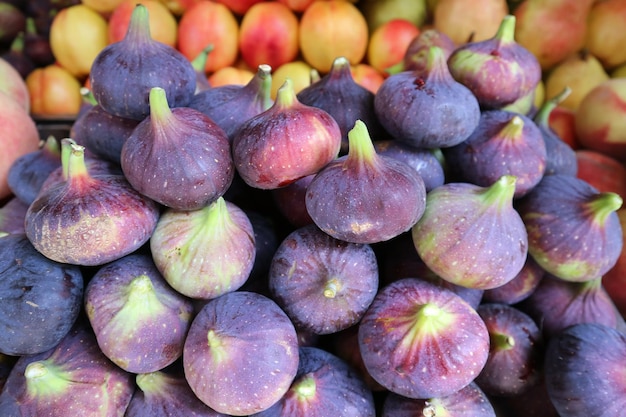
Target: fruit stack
<point>431,246</point>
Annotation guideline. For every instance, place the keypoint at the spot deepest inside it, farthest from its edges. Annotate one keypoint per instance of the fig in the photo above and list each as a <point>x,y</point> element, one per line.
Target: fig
<point>324,385</point>
<point>324,284</point>
<point>498,71</point>
<point>241,353</point>
<point>520,287</point>
<point>427,108</point>
<point>291,201</point>
<point>74,376</point>
<point>504,143</point>
<point>139,321</point>
<point>230,105</point>
<point>419,340</point>
<point>199,64</point>
<point>123,73</point>
<point>41,298</point>
<point>344,99</point>
<point>28,173</point>
<point>89,219</point>
<point>177,156</point>
<point>363,197</point>
<point>288,141</point>
<point>416,53</point>
<point>573,229</point>
<point>204,253</point>
<point>471,235</point>
<point>12,215</point>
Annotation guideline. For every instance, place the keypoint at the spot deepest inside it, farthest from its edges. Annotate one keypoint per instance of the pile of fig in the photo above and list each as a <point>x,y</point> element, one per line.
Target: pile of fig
<point>424,251</point>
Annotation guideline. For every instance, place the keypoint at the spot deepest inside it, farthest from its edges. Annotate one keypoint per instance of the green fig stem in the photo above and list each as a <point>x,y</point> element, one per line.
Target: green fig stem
<point>52,147</point>
<point>501,341</point>
<point>360,146</point>
<point>139,27</point>
<point>341,67</point>
<point>305,388</point>
<point>159,108</point>
<point>199,62</point>
<point>151,382</point>
<point>543,115</point>
<point>217,215</point>
<point>506,30</point>
<point>513,129</point>
<point>264,80</point>
<point>591,285</point>
<point>17,46</point>
<point>30,27</point>
<point>286,95</point>
<point>436,65</point>
<point>314,76</point>
<point>43,379</point>
<point>88,96</point>
<point>4,234</point>
<point>602,205</point>
<point>216,344</point>
<point>73,161</point>
<point>141,290</point>
<point>501,192</point>
<point>331,288</point>
<point>395,69</point>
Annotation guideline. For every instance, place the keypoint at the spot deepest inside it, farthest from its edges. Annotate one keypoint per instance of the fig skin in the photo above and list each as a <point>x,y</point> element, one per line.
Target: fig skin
<point>74,375</point>
<point>584,371</point>
<point>41,298</point>
<point>324,284</point>
<point>124,72</point>
<point>324,385</point>
<point>363,197</point>
<point>204,253</point>
<point>140,322</point>
<point>471,235</point>
<point>178,156</point>
<point>520,287</point>
<point>87,219</point>
<point>241,353</point>
<point>291,201</point>
<point>573,230</point>
<point>422,341</point>
<point>416,54</point>
<point>12,215</point>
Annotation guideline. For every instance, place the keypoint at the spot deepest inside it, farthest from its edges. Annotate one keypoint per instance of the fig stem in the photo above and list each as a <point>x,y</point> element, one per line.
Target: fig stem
<point>159,108</point>
<point>216,345</point>
<point>45,380</point>
<point>306,388</point>
<point>88,96</point>
<point>151,381</point>
<point>286,95</point>
<point>139,26</point>
<point>502,341</point>
<point>51,146</point>
<point>543,115</point>
<point>602,205</point>
<point>500,193</point>
<point>360,146</point>
<point>264,74</point>
<point>506,30</point>
<point>513,129</point>
<point>199,62</point>
<point>436,64</point>
<point>140,289</point>
<point>73,160</point>
<point>331,288</point>
<point>217,213</point>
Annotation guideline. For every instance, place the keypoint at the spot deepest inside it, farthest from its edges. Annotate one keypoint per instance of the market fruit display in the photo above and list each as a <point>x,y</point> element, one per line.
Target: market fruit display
<point>438,237</point>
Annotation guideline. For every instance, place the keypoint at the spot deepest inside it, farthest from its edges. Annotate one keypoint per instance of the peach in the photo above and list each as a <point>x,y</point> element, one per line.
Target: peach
<point>230,75</point>
<point>163,25</point>
<point>239,7</point>
<point>298,71</point>
<point>562,122</point>
<point>12,84</point>
<point>605,32</point>
<point>462,19</point>
<point>389,42</point>
<point>297,6</point>
<point>367,76</point>
<point>54,92</point>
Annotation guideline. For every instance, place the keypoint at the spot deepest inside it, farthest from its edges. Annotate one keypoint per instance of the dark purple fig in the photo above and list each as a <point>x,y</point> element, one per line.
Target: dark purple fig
<point>74,377</point>
<point>504,143</point>
<point>425,161</point>
<point>177,156</point>
<point>266,241</point>
<point>344,99</point>
<point>12,215</point>
<point>199,64</point>
<point>123,73</point>
<point>6,364</point>
<point>17,58</point>
<point>288,141</point>
<point>41,299</point>
<point>37,45</point>
<point>140,322</point>
<point>515,356</point>
<point>28,173</point>
<point>532,402</point>
<point>416,54</point>
<point>469,401</point>
<point>422,341</point>
<point>498,71</point>
<point>363,197</point>
<point>12,22</point>
<point>166,394</point>
<point>291,201</point>
<point>471,235</point>
<point>324,284</point>
<point>573,229</point>
<point>561,158</point>
<point>204,253</point>
<point>585,371</point>
<point>325,385</point>
<point>241,353</point>
<point>89,219</point>
<point>428,108</point>
<point>229,106</point>
<point>520,287</point>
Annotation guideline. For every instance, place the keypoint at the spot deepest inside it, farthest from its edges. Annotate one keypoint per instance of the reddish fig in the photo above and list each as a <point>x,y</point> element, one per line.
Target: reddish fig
<point>416,54</point>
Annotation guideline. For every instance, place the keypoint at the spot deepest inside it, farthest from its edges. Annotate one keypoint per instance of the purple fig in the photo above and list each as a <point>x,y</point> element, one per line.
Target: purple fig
<point>504,143</point>
<point>89,219</point>
<point>37,45</point>
<point>427,109</point>
<point>498,71</point>
<point>177,156</point>
<point>573,229</point>
<point>12,22</point>
<point>199,65</point>
<point>17,58</point>
<point>471,235</point>
<point>416,54</point>
<point>363,197</point>
<point>12,215</point>
<point>123,73</point>
<point>520,287</point>
<point>291,201</point>
<point>288,141</point>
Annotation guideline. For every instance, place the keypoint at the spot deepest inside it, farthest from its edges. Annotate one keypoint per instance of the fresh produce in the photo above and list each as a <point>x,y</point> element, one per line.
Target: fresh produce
<point>53,91</point>
<point>163,25</point>
<point>13,85</point>
<point>463,21</point>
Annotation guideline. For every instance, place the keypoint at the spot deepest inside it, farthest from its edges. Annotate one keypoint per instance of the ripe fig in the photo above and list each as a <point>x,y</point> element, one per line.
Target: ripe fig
<point>89,219</point>
<point>416,54</point>
<point>520,287</point>
<point>123,73</point>
<point>573,229</point>
<point>471,235</point>
<point>363,197</point>
<point>177,156</point>
<point>290,201</point>
<point>12,215</point>
<point>288,141</point>
<point>428,108</point>
<point>498,71</point>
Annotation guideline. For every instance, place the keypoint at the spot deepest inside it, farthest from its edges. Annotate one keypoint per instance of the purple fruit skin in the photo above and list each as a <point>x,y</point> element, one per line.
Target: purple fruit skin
<point>303,265</point>
<point>432,362</point>
<point>136,343</point>
<point>560,157</point>
<point>256,362</point>
<point>339,390</point>
<point>12,215</point>
<point>290,201</point>
<point>585,371</point>
<point>520,287</point>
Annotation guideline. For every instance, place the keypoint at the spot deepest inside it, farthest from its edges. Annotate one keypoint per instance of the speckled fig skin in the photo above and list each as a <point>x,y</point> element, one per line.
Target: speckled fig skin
<point>363,197</point>
<point>574,232</point>
<point>325,385</point>
<point>520,287</point>
<point>422,341</point>
<point>140,322</point>
<point>241,353</point>
<point>471,235</point>
<point>324,284</point>
<point>504,143</point>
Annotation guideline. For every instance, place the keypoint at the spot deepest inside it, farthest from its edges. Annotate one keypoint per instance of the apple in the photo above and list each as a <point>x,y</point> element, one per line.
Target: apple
<point>389,42</point>
<point>163,25</point>
<point>54,92</point>
<point>12,84</point>
<point>602,171</point>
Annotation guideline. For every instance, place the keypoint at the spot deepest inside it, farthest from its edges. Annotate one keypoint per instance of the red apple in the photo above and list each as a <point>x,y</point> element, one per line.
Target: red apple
<point>562,121</point>
<point>602,171</point>
<point>389,42</point>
